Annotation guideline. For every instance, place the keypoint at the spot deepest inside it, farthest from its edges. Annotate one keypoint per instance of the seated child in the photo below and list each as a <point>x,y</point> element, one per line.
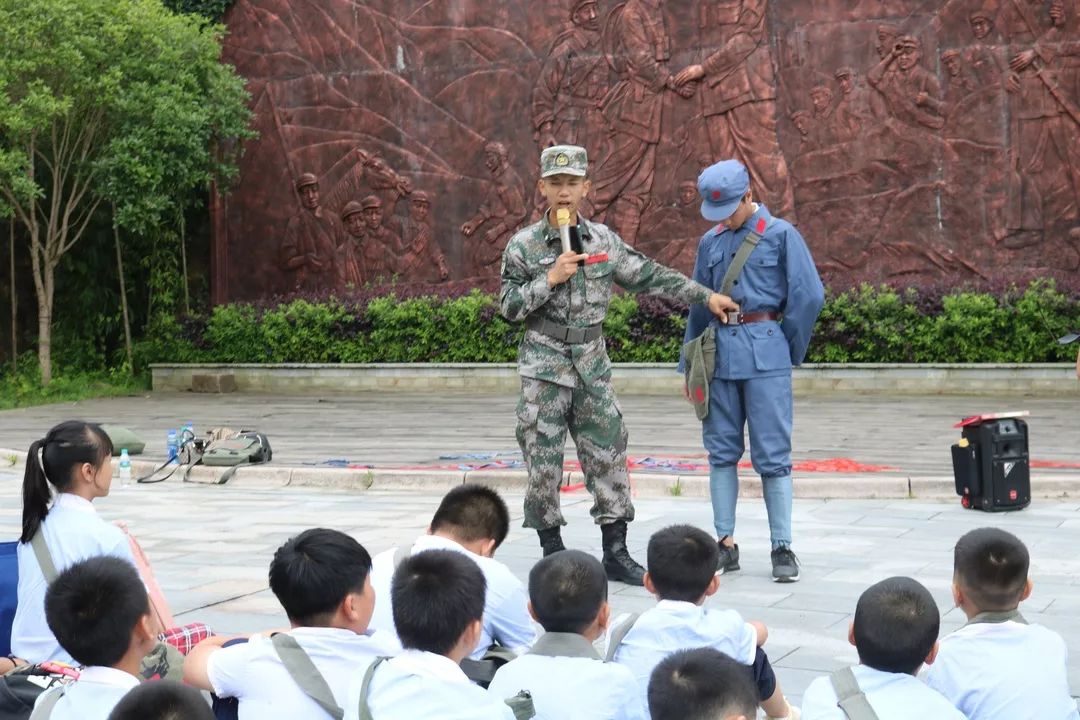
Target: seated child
<point>163,700</point>
<point>438,598</point>
<point>682,575</point>
<point>998,666</point>
<point>321,578</point>
<point>472,520</point>
<point>895,631</point>
<point>99,611</point>
<point>701,684</point>
<point>567,678</point>
<point>74,459</point>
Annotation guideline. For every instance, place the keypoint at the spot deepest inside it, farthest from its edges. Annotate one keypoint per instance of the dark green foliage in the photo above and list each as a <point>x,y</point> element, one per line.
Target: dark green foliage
<point>864,324</point>
<point>210,9</point>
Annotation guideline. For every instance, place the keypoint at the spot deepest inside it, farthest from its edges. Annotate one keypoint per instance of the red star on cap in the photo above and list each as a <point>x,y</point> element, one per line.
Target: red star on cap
<point>716,195</point>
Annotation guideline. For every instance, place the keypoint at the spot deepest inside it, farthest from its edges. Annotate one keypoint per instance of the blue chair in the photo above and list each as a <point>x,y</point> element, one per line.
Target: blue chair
<point>9,593</point>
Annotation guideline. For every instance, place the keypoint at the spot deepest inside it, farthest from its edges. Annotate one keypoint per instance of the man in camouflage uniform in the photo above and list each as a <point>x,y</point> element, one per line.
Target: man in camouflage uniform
<point>563,361</point>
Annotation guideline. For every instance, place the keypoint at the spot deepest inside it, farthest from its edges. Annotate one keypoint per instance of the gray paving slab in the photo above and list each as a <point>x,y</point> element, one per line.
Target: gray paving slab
<point>211,546</point>
<point>910,434</point>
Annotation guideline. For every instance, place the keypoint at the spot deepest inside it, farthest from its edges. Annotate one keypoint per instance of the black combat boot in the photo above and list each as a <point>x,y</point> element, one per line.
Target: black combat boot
<point>551,540</point>
<point>618,564</point>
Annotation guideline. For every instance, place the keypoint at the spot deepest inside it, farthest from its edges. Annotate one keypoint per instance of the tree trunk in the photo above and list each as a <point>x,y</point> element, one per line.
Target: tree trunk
<point>45,301</point>
<point>183,261</point>
<point>123,295</point>
<point>14,304</point>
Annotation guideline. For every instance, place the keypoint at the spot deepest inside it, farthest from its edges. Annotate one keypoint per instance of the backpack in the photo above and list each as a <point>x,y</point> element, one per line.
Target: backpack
<point>20,688</point>
<point>9,592</point>
<point>247,447</point>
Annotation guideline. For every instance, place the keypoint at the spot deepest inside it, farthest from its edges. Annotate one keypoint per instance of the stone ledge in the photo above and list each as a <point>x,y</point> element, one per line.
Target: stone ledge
<point>1050,379</point>
<point>645,485</point>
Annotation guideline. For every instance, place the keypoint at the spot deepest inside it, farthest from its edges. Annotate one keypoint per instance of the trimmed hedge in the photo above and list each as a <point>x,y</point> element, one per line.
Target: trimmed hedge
<point>863,324</point>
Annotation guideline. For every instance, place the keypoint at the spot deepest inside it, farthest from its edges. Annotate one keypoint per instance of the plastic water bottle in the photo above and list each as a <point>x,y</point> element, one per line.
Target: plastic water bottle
<point>187,432</point>
<point>170,444</point>
<point>125,468</point>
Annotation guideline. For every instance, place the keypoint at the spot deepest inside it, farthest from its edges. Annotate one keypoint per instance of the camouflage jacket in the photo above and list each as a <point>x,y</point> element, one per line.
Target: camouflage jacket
<point>582,301</point>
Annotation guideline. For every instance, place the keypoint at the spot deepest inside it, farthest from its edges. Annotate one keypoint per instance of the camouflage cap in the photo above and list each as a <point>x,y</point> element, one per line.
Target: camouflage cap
<point>351,208</point>
<point>371,201</point>
<point>564,160</point>
<point>305,180</point>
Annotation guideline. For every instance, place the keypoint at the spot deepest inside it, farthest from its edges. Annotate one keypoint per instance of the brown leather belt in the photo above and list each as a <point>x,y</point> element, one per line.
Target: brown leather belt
<point>753,317</point>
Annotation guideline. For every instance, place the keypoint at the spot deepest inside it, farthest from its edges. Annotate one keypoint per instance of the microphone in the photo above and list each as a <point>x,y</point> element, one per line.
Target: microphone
<point>562,217</point>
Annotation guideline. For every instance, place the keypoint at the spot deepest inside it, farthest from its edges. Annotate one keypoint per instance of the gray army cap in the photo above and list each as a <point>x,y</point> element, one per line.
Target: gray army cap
<point>564,160</point>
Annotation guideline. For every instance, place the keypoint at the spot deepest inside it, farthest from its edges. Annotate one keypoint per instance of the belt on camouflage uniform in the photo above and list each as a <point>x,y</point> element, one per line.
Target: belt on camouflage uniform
<point>570,335</point>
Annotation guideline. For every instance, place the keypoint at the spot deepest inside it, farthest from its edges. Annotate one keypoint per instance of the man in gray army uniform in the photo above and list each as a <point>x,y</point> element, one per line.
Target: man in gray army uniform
<point>563,361</point>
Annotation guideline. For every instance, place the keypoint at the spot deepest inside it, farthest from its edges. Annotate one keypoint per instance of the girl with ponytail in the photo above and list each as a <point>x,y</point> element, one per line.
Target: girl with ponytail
<point>65,472</point>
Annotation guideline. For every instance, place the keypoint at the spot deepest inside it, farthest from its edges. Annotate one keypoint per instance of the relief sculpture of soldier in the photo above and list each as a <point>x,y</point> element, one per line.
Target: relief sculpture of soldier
<point>1046,118</point>
<point>911,92</point>
<point>423,259</point>
<point>502,210</point>
<point>572,82</point>
<point>381,245</point>
<point>636,43</point>
<point>309,247</point>
<point>739,97</point>
<point>350,256</point>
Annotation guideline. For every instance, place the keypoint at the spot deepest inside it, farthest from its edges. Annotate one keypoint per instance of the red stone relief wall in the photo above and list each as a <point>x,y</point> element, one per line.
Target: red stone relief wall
<point>907,139</point>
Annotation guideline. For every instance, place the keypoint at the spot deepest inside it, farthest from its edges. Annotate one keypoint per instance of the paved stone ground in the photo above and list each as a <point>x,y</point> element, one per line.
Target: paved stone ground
<point>911,434</point>
<point>211,547</point>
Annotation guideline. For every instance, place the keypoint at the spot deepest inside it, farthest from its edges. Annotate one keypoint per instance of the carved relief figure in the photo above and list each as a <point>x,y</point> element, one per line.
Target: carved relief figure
<point>503,206</point>
<point>637,44</point>
<point>803,122</point>
<point>912,94</point>
<point>350,256</point>
<point>423,260</point>
<point>960,81</point>
<point>672,231</point>
<point>884,43</point>
<point>851,110</point>
<point>987,65</point>
<point>381,245</point>
<point>572,82</point>
<point>739,97</point>
<point>310,243</point>
<point>1046,120</point>
<point>370,174</point>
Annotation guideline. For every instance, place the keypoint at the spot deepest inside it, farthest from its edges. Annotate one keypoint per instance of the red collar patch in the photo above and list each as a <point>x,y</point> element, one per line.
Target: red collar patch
<point>761,225</point>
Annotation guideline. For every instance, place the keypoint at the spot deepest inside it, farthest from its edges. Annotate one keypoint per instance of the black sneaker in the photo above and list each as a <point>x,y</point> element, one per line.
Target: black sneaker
<point>785,566</point>
<point>729,558</point>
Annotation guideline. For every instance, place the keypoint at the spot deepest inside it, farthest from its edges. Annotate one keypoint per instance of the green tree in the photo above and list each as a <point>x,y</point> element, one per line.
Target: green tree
<point>120,102</point>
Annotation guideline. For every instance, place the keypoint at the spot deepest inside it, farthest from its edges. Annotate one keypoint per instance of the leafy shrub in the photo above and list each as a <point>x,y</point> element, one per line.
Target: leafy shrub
<point>865,324</point>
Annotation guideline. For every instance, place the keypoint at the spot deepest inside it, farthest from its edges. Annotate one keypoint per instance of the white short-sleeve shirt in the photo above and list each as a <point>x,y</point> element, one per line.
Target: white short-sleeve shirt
<point>506,619</point>
<point>252,672</point>
<point>74,532</point>
<point>992,671</point>
<point>574,685</point>
<point>673,625</point>
<point>894,696</point>
<point>94,695</point>
<point>419,684</point>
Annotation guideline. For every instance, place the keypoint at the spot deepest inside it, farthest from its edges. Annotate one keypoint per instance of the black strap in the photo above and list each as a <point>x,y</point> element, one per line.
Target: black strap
<point>302,670</point>
<point>850,696</point>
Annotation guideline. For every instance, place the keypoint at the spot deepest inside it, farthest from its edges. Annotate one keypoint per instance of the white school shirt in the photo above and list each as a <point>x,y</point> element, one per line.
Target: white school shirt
<point>894,696</point>
<point>94,695</point>
<point>993,671</point>
<point>252,673</point>
<point>506,620</point>
<point>74,532</point>
<point>674,625</point>
<point>569,681</point>
<point>418,684</point>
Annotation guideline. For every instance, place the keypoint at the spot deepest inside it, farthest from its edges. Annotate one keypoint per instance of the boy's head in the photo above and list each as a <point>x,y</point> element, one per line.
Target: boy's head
<point>896,626</point>
<point>99,612</point>
<point>473,515</point>
<point>682,564</point>
<point>568,592</point>
<point>990,571</point>
<point>564,181</point>
<point>438,601</point>
<point>162,700</point>
<point>701,684</point>
<point>321,579</point>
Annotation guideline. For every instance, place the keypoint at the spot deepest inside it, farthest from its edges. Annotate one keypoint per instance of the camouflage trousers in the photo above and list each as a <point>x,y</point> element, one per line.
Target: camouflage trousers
<point>591,414</point>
